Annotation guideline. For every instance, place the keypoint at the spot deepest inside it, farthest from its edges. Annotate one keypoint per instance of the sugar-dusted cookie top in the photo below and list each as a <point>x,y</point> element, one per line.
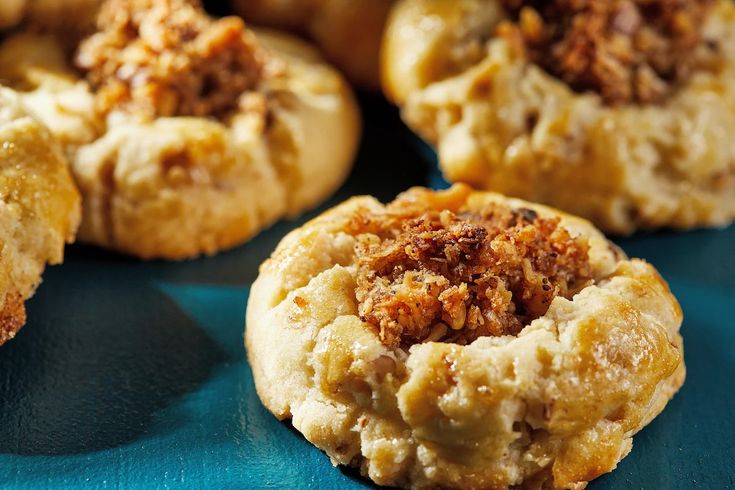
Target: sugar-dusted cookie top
<point>39,208</point>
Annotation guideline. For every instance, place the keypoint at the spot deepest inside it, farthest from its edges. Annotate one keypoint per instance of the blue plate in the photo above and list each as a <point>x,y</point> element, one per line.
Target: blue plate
<point>133,374</point>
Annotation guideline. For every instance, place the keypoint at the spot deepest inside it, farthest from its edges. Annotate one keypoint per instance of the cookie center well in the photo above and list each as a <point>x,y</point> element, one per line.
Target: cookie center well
<point>454,277</point>
<point>628,51</point>
<point>158,58</point>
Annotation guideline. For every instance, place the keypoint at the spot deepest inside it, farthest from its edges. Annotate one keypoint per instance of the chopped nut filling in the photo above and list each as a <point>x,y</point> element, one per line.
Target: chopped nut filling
<point>168,58</point>
<point>441,276</point>
<point>625,50</point>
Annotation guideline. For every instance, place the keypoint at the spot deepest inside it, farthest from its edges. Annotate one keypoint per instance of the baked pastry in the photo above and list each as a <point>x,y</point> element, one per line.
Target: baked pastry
<point>619,111</point>
<point>349,32</point>
<point>11,12</point>
<point>187,135</point>
<point>461,339</point>
<point>71,16</point>
<point>39,209</point>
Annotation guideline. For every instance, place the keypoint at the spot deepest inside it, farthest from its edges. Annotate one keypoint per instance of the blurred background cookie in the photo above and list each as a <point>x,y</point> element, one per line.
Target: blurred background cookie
<point>39,208</point>
<point>349,32</point>
<point>462,339</point>
<point>622,111</point>
<point>11,12</point>
<point>186,134</point>
<point>73,18</point>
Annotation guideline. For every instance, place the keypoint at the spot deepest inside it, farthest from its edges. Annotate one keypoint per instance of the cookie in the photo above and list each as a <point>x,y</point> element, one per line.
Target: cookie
<point>620,112</point>
<point>187,135</point>
<point>11,13</point>
<point>462,339</point>
<point>39,213</point>
<point>349,32</point>
<point>70,16</point>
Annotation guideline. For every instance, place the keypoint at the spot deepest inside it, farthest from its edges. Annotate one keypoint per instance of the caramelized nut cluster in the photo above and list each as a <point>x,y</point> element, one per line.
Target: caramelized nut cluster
<point>441,276</point>
<point>628,51</point>
<point>156,58</point>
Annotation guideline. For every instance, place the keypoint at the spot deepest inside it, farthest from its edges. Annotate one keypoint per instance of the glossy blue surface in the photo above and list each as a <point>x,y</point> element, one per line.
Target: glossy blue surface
<point>133,374</point>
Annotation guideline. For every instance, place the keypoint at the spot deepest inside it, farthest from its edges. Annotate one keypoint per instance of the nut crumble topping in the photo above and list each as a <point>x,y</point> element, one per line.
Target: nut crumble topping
<point>441,276</point>
<point>628,51</point>
<point>158,58</point>
<point>12,316</point>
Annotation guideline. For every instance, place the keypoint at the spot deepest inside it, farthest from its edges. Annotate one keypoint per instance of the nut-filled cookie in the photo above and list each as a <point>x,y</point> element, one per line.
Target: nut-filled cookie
<point>462,339</point>
<point>39,208</point>
<point>186,134</point>
<point>619,111</point>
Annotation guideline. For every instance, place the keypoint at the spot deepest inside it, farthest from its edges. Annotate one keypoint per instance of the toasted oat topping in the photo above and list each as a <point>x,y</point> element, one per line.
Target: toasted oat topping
<point>441,276</point>
<point>628,51</point>
<point>168,58</point>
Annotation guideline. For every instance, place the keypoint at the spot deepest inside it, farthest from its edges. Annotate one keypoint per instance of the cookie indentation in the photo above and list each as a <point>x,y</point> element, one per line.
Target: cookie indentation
<point>628,51</point>
<point>162,58</point>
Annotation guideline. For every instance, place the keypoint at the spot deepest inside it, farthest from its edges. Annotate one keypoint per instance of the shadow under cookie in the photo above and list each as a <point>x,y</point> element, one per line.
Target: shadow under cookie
<point>75,384</point>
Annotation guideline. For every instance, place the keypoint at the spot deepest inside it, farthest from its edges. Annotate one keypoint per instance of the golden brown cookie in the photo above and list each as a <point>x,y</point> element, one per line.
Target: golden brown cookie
<point>187,135</point>
<point>619,111</point>
<point>11,12</point>
<point>39,209</point>
<point>462,339</point>
<point>73,17</point>
<point>348,31</point>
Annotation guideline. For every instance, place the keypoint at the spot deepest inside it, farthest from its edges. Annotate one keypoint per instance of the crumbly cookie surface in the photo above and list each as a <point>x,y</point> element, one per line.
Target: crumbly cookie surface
<point>626,51</point>
<point>442,276</point>
<point>616,111</point>
<point>187,135</point>
<point>168,58</point>
<point>39,208</point>
<point>552,404</point>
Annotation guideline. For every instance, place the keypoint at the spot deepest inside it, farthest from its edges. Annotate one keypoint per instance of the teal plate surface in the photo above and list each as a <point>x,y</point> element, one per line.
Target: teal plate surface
<point>133,374</point>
